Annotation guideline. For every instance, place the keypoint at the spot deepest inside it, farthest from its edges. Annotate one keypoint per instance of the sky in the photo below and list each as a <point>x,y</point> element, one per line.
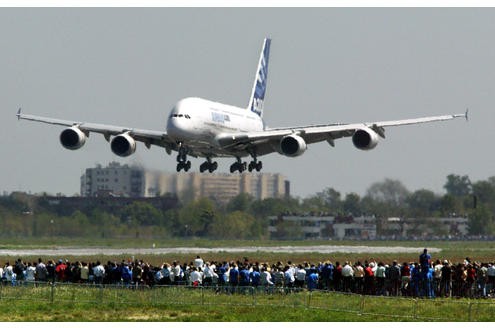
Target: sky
<point>129,66</point>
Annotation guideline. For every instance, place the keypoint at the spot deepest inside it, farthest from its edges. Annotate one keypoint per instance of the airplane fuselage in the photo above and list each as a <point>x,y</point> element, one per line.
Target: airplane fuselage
<point>199,122</point>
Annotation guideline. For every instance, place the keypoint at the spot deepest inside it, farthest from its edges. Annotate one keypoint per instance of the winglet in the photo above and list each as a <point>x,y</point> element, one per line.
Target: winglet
<point>465,115</point>
<point>19,114</point>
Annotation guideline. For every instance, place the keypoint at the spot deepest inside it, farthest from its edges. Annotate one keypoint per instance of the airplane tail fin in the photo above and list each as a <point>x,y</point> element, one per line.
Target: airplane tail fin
<point>259,87</point>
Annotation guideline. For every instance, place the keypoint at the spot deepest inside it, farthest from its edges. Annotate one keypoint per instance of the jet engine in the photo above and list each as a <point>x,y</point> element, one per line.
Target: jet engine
<point>365,139</point>
<point>292,145</point>
<point>123,145</point>
<point>72,138</point>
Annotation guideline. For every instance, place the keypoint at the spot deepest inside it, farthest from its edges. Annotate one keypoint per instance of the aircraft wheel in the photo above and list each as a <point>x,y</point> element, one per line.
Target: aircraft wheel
<point>259,166</point>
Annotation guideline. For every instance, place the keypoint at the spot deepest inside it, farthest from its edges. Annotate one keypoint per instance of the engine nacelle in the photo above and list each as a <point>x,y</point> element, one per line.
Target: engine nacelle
<point>123,145</point>
<point>365,139</point>
<point>72,138</point>
<point>292,145</point>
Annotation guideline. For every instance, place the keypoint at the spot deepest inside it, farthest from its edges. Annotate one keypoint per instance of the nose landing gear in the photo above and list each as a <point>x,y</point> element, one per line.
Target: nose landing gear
<point>182,162</point>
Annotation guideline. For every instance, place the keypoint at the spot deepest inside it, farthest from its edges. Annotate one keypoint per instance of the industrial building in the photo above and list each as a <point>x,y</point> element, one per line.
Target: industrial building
<point>134,181</point>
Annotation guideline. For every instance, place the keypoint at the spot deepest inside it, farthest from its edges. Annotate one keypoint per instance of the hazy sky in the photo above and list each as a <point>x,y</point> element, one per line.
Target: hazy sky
<point>130,66</point>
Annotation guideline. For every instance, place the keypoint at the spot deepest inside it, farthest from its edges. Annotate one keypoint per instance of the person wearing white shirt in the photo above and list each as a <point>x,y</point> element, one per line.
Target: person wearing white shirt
<point>198,262</point>
<point>300,276</point>
<point>196,277</point>
<point>347,275</point>
<point>8,272</point>
<point>30,273</point>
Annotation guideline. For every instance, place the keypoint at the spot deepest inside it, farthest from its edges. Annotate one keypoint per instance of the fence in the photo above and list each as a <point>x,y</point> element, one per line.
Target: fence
<point>393,307</point>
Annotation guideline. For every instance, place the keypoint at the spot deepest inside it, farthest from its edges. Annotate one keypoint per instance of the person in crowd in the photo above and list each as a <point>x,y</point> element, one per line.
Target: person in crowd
<point>196,277</point>
<point>198,262</point>
<point>394,278</point>
<point>358,277</point>
<point>312,278</point>
<point>233,277</point>
<point>255,276</point>
<point>437,276</point>
<point>337,277</point>
<point>60,273</point>
<point>347,277</point>
<point>446,279</point>
<point>98,272</point>
<point>30,273</point>
<point>41,271</point>
<point>84,272</point>
<point>369,279</point>
<point>380,279</point>
<point>300,276</point>
<point>405,275</point>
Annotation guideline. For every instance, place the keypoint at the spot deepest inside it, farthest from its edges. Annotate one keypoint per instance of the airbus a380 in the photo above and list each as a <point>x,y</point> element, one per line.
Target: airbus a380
<point>202,128</point>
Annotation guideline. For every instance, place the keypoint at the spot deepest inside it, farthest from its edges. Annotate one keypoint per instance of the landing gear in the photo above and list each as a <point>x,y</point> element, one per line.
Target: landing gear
<point>208,165</point>
<point>254,165</point>
<point>182,162</point>
<point>238,166</point>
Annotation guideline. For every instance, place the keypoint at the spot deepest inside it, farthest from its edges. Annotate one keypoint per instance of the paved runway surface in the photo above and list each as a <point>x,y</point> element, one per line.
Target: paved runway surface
<point>199,250</point>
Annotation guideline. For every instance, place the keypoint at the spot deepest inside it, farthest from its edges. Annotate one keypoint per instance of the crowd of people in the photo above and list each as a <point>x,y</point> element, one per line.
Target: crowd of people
<point>422,278</point>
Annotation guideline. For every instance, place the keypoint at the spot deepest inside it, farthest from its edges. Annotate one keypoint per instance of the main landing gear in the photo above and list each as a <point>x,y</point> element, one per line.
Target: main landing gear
<point>255,165</point>
<point>238,166</point>
<point>241,166</point>
<point>182,162</point>
<point>208,165</point>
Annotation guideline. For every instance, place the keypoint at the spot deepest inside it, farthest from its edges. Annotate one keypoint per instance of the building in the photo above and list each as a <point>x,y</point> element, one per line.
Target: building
<point>135,181</point>
<point>322,227</point>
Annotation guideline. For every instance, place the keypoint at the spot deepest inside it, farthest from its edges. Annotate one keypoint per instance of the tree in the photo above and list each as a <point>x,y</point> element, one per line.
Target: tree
<point>481,221</point>
<point>385,199</point>
<point>234,225</point>
<point>331,199</point>
<point>422,203</point>
<point>241,202</point>
<point>457,185</point>
<point>142,213</point>
<point>484,192</point>
<point>194,218</point>
<point>390,191</point>
<point>352,204</point>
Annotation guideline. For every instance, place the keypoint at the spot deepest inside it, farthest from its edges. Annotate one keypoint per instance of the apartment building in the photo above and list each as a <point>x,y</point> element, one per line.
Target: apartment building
<point>134,181</point>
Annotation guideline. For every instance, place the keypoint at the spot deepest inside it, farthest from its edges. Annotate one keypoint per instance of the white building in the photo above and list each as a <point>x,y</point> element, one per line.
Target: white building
<point>322,227</point>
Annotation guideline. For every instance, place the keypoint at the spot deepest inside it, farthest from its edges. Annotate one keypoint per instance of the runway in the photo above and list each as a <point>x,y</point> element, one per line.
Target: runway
<point>59,251</point>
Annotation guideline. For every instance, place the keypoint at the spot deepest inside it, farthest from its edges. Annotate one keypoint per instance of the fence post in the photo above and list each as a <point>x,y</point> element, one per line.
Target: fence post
<point>310,294</point>
<point>470,308</point>
<point>415,302</point>
<point>202,295</point>
<point>52,292</point>
<point>253,292</point>
<point>363,300</point>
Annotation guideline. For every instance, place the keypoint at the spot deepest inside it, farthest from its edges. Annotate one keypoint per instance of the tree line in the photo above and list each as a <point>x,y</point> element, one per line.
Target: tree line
<point>243,217</point>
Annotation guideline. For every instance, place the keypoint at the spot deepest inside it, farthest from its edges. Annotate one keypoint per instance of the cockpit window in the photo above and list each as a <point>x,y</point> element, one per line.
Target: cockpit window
<point>181,115</point>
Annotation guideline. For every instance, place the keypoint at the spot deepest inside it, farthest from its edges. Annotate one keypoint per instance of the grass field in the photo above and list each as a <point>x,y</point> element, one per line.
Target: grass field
<point>86,303</point>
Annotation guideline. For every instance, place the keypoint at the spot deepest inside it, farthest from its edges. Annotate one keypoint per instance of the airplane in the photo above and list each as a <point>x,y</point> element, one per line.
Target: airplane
<point>202,128</point>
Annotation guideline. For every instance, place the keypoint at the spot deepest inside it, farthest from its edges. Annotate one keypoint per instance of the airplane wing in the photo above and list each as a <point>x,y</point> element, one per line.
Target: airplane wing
<point>148,137</point>
<point>317,133</point>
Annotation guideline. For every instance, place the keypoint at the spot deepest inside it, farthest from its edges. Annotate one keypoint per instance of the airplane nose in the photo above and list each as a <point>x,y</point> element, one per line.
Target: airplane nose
<point>177,127</point>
